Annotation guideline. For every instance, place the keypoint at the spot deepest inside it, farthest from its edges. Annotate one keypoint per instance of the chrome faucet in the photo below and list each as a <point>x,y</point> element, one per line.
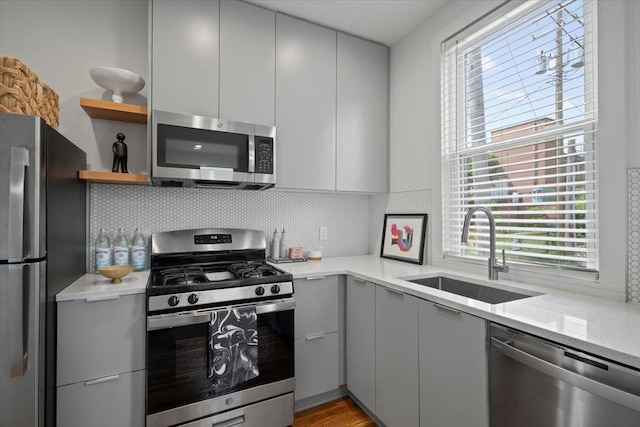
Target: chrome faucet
<point>494,267</point>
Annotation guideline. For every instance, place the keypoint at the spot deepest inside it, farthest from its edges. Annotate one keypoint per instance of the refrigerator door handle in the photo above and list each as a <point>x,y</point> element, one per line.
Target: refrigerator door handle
<point>17,332</point>
<point>19,161</point>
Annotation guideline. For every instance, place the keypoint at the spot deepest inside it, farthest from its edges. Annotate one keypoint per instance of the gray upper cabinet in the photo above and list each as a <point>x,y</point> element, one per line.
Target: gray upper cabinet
<point>362,115</point>
<point>247,63</point>
<point>185,44</point>
<point>305,105</point>
<point>453,368</point>
<point>361,341</point>
<point>397,384</point>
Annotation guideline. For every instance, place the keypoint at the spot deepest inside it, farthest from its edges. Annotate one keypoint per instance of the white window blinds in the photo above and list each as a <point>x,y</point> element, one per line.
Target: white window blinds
<point>519,121</point>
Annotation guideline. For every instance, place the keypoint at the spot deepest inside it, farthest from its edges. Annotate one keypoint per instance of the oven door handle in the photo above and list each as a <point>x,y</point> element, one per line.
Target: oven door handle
<point>165,321</point>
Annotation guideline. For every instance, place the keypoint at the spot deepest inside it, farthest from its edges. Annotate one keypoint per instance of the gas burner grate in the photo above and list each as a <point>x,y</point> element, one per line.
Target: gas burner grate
<point>183,276</point>
<point>248,269</point>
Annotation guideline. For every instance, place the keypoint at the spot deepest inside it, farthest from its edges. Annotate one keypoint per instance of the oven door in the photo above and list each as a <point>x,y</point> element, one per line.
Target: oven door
<point>178,387</point>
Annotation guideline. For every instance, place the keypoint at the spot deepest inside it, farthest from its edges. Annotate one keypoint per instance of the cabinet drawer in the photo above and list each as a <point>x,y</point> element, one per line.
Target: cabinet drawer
<point>316,306</point>
<point>317,365</point>
<point>275,412</point>
<point>103,402</point>
<point>100,338</point>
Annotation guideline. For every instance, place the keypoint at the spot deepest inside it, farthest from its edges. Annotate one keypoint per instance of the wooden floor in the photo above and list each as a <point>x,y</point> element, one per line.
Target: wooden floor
<point>342,412</point>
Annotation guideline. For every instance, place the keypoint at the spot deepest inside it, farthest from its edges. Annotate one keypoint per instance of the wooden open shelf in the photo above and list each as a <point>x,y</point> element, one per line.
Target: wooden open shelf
<point>107,110</point>
<point>113,177</point>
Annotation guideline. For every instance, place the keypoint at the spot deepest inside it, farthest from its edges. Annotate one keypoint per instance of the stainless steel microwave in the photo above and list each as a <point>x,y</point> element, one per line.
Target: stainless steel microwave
<point>196,151</point>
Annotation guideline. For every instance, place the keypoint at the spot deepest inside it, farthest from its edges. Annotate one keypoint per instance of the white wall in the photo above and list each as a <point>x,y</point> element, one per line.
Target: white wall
<point>415,131</point>
<point>60,41</point>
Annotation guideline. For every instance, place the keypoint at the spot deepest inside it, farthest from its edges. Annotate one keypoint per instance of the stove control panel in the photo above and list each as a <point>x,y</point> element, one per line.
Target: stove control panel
<point>211,239</point>
<point>219,296</point>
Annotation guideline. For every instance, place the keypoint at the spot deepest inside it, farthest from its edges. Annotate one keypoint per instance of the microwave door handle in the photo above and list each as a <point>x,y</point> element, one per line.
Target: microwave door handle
<point>252,154</point>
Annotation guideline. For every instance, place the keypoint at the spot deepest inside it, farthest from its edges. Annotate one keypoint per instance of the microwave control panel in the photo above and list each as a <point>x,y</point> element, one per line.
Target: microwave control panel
<point>264,155</point>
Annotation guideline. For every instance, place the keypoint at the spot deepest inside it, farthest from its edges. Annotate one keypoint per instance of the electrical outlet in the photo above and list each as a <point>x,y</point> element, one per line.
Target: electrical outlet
<point>323,232</point>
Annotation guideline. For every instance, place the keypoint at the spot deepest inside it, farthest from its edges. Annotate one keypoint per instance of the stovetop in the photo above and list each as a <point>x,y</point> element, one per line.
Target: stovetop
<point>186,278</point>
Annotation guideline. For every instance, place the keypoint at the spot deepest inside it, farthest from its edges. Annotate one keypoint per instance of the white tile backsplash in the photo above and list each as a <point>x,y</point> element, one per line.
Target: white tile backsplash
<point>154,209</point>
<point>633,235</point>
<point>354,221</point>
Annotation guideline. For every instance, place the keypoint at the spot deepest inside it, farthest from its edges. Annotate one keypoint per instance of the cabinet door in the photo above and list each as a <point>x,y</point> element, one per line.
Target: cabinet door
<point>397,402</point>
<point>317,365</point>
<point>361,341</point>
<point>305,104</point>
<point>247,63</point>
<point>362,102</point>
<point>185,56</point>
<point>453,368</point>
<point>116,400</point>
<point>316,306</point>
<point>100,338</point>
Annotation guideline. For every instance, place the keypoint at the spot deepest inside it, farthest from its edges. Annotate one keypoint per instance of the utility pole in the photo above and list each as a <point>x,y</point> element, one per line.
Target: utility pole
<point>560,160</point>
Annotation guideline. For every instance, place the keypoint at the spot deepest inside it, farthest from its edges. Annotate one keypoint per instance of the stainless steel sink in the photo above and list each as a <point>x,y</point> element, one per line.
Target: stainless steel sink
<point>470,290</point>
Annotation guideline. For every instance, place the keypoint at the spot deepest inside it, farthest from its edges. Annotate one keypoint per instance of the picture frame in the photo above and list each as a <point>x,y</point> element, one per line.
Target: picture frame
<point>404,237</point>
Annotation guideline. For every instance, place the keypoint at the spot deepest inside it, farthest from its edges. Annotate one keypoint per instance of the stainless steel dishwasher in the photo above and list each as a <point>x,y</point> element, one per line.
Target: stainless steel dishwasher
<point>535,382</point>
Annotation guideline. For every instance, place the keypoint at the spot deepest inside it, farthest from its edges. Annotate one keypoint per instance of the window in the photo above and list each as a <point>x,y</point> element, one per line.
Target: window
<point>519,121</point>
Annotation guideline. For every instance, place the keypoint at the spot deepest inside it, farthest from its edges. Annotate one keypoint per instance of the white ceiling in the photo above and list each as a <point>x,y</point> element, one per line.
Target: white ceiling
<point>384,21</point>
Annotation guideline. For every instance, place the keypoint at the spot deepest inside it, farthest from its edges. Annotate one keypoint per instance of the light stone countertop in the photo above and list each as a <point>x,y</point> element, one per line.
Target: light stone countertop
<point>96,286</point>
<point>605,328</point>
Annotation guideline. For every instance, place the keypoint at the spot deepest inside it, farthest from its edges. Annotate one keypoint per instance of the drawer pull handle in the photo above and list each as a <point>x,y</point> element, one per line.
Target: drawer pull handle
<point>316,278</point>
<point>228,423</point>
<point>393,291</point>
<point>444,307</point>
<point>102,380</point>
<point>361,281</point>
<point>103,298</point>
<point>315,337</point>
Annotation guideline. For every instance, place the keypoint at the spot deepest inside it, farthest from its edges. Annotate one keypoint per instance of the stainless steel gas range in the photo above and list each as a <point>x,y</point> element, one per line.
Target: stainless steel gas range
<point>220,332</point>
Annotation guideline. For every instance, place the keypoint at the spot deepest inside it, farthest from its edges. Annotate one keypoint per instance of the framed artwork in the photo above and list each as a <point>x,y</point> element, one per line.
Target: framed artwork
<point>403,237</point>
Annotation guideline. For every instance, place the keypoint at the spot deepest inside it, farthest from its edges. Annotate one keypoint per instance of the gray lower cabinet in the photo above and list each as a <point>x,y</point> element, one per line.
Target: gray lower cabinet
<point>361,341</point>
<point>453,368</point>
<point>100,361</point>
<point>397,384</point>
<point>117,400</point>
<point>317,364</point>
<point>317,336</point>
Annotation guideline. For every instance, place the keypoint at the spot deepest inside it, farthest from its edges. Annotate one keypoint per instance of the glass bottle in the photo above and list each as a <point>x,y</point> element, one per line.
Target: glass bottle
<point>139,251</point>
<point>283,248</point>
<point>120,249</point>
<point>103,250</point>
<point>275,245</point>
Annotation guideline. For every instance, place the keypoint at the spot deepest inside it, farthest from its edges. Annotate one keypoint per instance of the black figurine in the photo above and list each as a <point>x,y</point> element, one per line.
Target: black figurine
<point>119,154</point>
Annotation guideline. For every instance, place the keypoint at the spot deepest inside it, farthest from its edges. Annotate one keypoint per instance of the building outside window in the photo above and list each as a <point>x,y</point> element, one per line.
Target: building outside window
<point>519,134</point>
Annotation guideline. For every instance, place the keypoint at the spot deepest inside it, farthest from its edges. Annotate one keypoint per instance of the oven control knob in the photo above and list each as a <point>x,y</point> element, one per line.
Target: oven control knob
<point>259,290</point>
<point>174,300</point>
<point>275,289</point>
<point>193,298</point>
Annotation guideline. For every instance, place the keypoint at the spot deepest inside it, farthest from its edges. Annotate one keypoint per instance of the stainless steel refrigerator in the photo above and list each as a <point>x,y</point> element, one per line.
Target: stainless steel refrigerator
<point>42,250</point>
